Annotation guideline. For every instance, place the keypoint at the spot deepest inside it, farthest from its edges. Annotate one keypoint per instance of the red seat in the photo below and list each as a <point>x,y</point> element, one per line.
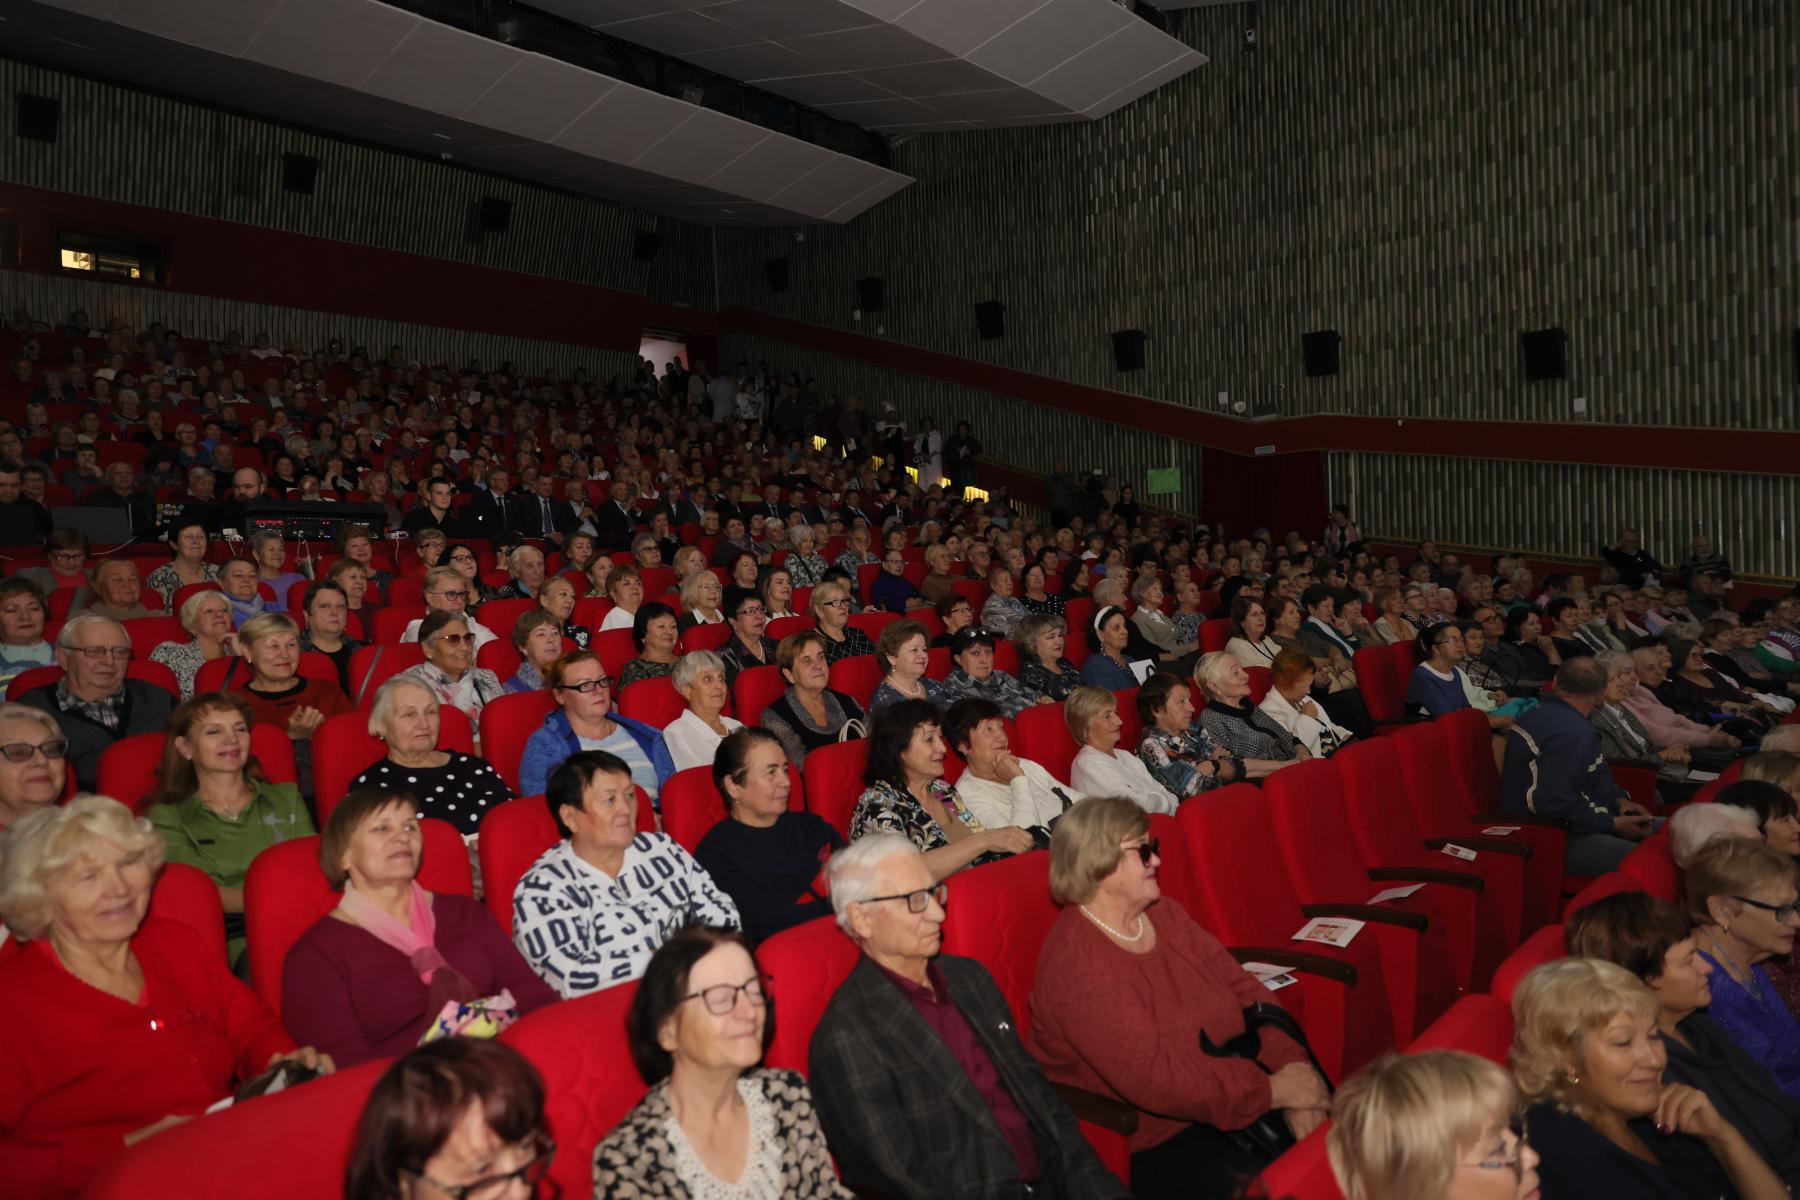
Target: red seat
<point>501,615</point>
<point>130,769</point>
<point>507,724</point>
<point>1653,866</point>
<point>705,637</point>
<point>513,835</point>
<point>499,657</point>
<point>188,894</point>
<point>1382,685</point>
<point>782,627</point>
<point>872,623</point>
<point>1639,784</point>
<point>406,591</point>
<point>1426,938</point>
<point>1546,945</point>
<point>1480,1024</point>
<point>389,624</point>
<point>1303,1173</point>
<point>805,965</point>
<point>655,702</point>
<point>1214,634</point>
<point>211,677</point>
<point>857,677</point>
<point>865,579</point>
<point>147,633</point>
<point>343,748</point>
<point>755,689</point>
<point>1259,683</point>
<point>691,805</point>
<point>615,648</point>
<point>1240,892</point>
<point>1044,739</point>
<point>1609,884</point>
<point>373,665</point>
<point>182,595</point>
<point>153,673</point>
<point>937,663</point>
<point>1078,615</point>
<point>834,781</point>
<point>285,893</point>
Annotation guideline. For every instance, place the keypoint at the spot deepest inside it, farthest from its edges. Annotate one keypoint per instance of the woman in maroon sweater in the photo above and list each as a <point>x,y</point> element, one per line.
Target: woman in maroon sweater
<point>1127,987</point>
<point>372,974</point>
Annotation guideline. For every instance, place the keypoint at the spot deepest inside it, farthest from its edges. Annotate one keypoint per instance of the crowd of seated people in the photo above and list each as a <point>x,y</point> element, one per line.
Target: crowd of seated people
<point>579,512</point>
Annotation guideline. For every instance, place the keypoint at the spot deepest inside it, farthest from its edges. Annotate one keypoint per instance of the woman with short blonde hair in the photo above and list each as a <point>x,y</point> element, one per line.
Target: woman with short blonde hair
<point>700,596</point>
<point>207,617</point>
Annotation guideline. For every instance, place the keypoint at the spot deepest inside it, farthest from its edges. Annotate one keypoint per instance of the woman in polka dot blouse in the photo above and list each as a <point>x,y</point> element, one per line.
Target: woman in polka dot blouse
<point>457,788</point>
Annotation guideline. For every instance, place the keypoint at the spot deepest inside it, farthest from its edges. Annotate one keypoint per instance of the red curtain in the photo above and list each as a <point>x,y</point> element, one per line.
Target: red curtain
<point>1281,491</point>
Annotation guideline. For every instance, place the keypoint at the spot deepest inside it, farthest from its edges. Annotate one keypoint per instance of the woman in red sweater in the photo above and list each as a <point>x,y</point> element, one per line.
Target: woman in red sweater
<point>277,693</point>
<point>117,1027</point>
<point>1128,990</point>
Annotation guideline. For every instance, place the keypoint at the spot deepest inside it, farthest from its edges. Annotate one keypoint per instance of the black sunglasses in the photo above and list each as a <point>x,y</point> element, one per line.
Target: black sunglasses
<point>1149,850</point>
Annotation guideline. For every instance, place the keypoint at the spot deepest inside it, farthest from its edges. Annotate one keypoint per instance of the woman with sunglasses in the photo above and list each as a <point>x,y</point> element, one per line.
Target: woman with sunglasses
<point>1139,1003</point>
<point>714,1123</point>
<point>449,668</point>
<point>1741,894</point>
<point>33,762</point>
<point>456,1118</point>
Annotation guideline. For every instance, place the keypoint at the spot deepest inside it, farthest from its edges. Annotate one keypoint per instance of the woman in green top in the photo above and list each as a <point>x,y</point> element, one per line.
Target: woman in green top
<point>214,809</point>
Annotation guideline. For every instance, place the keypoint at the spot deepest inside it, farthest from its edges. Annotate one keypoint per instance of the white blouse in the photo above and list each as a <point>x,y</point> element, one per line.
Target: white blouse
<point>1308,726</point>
<point>1120,774</point>
<point>1027,801</point>
<point>691,741</point>
<point>1253,654</point>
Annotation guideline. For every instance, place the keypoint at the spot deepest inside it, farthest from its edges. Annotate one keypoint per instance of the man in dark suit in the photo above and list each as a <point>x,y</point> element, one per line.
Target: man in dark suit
<point>538,514</point>
<point>485,513</point>
<point>616,519</point>
<point>922,1086</point>
<point>770,506</point>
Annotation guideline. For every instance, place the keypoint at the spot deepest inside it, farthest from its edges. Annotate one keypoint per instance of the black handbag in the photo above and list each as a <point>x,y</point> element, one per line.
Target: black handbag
<point>1267,1137</point>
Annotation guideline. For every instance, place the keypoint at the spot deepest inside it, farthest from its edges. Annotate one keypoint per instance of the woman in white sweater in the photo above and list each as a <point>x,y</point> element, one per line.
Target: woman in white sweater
<point>1290,706</point>
<point>998,786</point>
<point>1250,642</point>
<point>1101,767</point>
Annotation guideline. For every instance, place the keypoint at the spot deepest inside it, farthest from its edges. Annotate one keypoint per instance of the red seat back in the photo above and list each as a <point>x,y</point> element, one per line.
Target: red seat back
<point>1312,833</point>
<point>147,633</point>
<point>705,637</point>
<point>834,781</point>
<point>1044,739</point>
<point>1609,884</point>
<point>188,894</point>
<point>1303,1173</point>
<point>512,836</point>
<point>872,623</point>
<point>130,769</point>
<point>1383,687</point>
<point>1259,683</point>
<point>375,664</point>
<point>389,624</point>
<point>1546,945</point>
<point>343,748</point>
<point>285,893</point>
<point>1238,882</point>
<point>507,724</point>
<point>1214,634</point>
<point>755,689</point>
<point>999,915</point>
<point>805,964</point>
<point>1380,824</point>
<point>857,677</point>
<point>501,615</point>
<point>615,648</point>
<point>1469,741</point>
<point>1425,772</point>
<point>655,702</point>
<point>1653,865</point>
<point>782,627</point>
<point>1479,1024</point>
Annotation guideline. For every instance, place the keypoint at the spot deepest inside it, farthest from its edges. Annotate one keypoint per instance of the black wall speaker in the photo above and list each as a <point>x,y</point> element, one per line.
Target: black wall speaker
<point>1546,354</point>
<point>872,293</point>
<point>299,172</point>
<point>1128,349</point>
<point>775,270</point>
<point>36,117</point>
<point>644,245</point>
<point>990,319</point>
<point>496,214</point>
<point>1320,348</point>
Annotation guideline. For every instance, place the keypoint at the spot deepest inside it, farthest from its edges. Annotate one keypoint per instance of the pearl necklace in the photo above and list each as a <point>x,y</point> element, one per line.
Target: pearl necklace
<point>1109,929</point>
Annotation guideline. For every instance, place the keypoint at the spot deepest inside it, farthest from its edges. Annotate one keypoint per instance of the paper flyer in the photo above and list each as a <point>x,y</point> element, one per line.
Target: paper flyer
<point>1333,931</point>
<point>1394,893</point>
<point>1270,976</point>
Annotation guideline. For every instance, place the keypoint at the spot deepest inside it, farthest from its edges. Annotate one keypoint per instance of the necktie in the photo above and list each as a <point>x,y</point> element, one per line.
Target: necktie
<point>547,520</point>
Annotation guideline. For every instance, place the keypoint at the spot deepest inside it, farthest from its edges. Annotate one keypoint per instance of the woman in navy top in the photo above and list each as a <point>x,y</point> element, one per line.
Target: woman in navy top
<point>1107,666</point>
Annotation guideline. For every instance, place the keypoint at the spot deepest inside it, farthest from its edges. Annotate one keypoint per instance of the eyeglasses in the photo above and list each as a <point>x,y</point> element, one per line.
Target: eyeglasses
<point>1147,850</point>
<point>753,610</point>
<point>21,752</point>
<point>454,639</point>
<point>493,1187</point>
<point>1515,1159</point>
<point>1783,912</point>
<point>919,901</point>
<point>96,654</point>
<point>452,595</point>
<point>840,602</point>
<point>721,998</point>
<point>587,685</point>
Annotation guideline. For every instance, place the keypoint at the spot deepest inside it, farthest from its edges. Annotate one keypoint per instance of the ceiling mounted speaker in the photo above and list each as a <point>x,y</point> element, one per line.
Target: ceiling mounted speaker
<point>299,172</point>
<point>990,319</point>
<point>496,214</point>
<point>775,270</point>
<point>645,244</point>
<point>1128,349</point>
<point>36,117</point>
<point>1320,351</point>
<point>1546,354</point>
<point>872,293</point>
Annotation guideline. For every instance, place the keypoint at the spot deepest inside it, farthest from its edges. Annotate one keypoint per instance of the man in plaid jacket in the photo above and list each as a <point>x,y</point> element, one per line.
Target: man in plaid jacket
<point>921,1083</point>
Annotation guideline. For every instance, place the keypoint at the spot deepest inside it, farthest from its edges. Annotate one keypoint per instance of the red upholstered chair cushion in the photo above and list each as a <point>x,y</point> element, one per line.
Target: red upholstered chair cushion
<point>373,665</point>
<point>1609,884</point>
<point>131,768</point>
<point>343,748</point>
<point>872,623</point>
<point>615,648</point>
<point>147,633</point>
<point>1479,1024</point>
<point>1383,688</point>
<point>999,915</point>
<point>507,724</point>
<point>390,623</point>
<point>1044,739</point>
<point>857,677</point>
<point>513,835</point>
<point>187,894</point>
<point>1546,945</point>
<point>755,689</point>
<point>655,702</point>
<point>1653,865</point>
<point>1214,634</point>
<point>805,964</point>
<point>834,781</point>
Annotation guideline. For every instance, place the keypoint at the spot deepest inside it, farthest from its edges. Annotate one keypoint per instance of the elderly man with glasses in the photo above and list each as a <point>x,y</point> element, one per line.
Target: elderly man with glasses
<point>446,590</point>
<point>94,704</point>
<point>923,1088</point>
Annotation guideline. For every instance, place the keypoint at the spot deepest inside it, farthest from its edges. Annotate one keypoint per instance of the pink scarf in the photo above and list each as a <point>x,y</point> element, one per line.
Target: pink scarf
<point>415,941</point>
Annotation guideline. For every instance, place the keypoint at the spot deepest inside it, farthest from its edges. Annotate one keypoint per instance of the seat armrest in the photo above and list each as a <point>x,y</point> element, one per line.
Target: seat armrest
<point>1512,818</point>
<point>1370,912</point>
<point>1297,960</point>
<point>1104,1111</point>
<point>1461,879</point>
<point>1497,845</point>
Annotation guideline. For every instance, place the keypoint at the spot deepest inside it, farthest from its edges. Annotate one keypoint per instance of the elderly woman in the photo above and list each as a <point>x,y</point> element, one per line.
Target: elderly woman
<point>207,616</point>
<point>830,608</point>
<point>213,808</point>
<point>765,855</point>
<point>593,908</point>
<point>700,599</point>
<point>1034,593</point>
<point>269,549</point>
<point>1040,642</point>
<point>695,735</point>
<point>938,581</point>
<point>904,653</point>
<point>455,1117</point>
<point>714,1122</point>
<point>809,715</point>
<point>275,690</point>
<point>1655,941</point>
<point>625,587</point>
<point>1589,1059</point>
<point>657,635</point>
<point>33,762</point>
<point>906,793</point>
<point>747,647</point>
<point>1290,705</point>
<point>997,786</point>
<point>327,623</point>
<point>1390,624</point>
<point>1003,610</point>
<point>972,650</point>
<point>357,543</point>
<point>22,644</point>
<point>1436,1125</point>
<point>449,668</point>
<point>1741,895</point>
<point>120,1026</point>
<point>585,720</point>
<point>537,636</point>
<point>187,565</point>
<point>1109,664</point>
<point>775,588</point>
<point>556,596</point>
<point>688,561</point>
<point>1230,720</point>
<point>743,570</point>
<point>1772,806</point>
<point>372,975</point>
<point>1174,749</point>
<point>451,786</point>
<point>1155,626</point>
<point>238,582</point>
<point>1133,1001</point>
<point>805,565</point>
<point>599,574</point>
<point>1102,767</point>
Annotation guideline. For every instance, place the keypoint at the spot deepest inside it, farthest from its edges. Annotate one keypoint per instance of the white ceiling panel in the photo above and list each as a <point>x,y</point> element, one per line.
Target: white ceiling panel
<point>538,99</point>
<point>697,149</point>
<point>223,26</point>
<point>959,26</point>
<point>768,168</point>
<point>440,69</point>
<point>775,20</point>
<point>626,122</point>
<point>679,33</point>
<point>339,41</point>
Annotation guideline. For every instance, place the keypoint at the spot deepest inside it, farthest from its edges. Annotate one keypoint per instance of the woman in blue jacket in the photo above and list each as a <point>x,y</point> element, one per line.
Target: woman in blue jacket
<point>584,720</point>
